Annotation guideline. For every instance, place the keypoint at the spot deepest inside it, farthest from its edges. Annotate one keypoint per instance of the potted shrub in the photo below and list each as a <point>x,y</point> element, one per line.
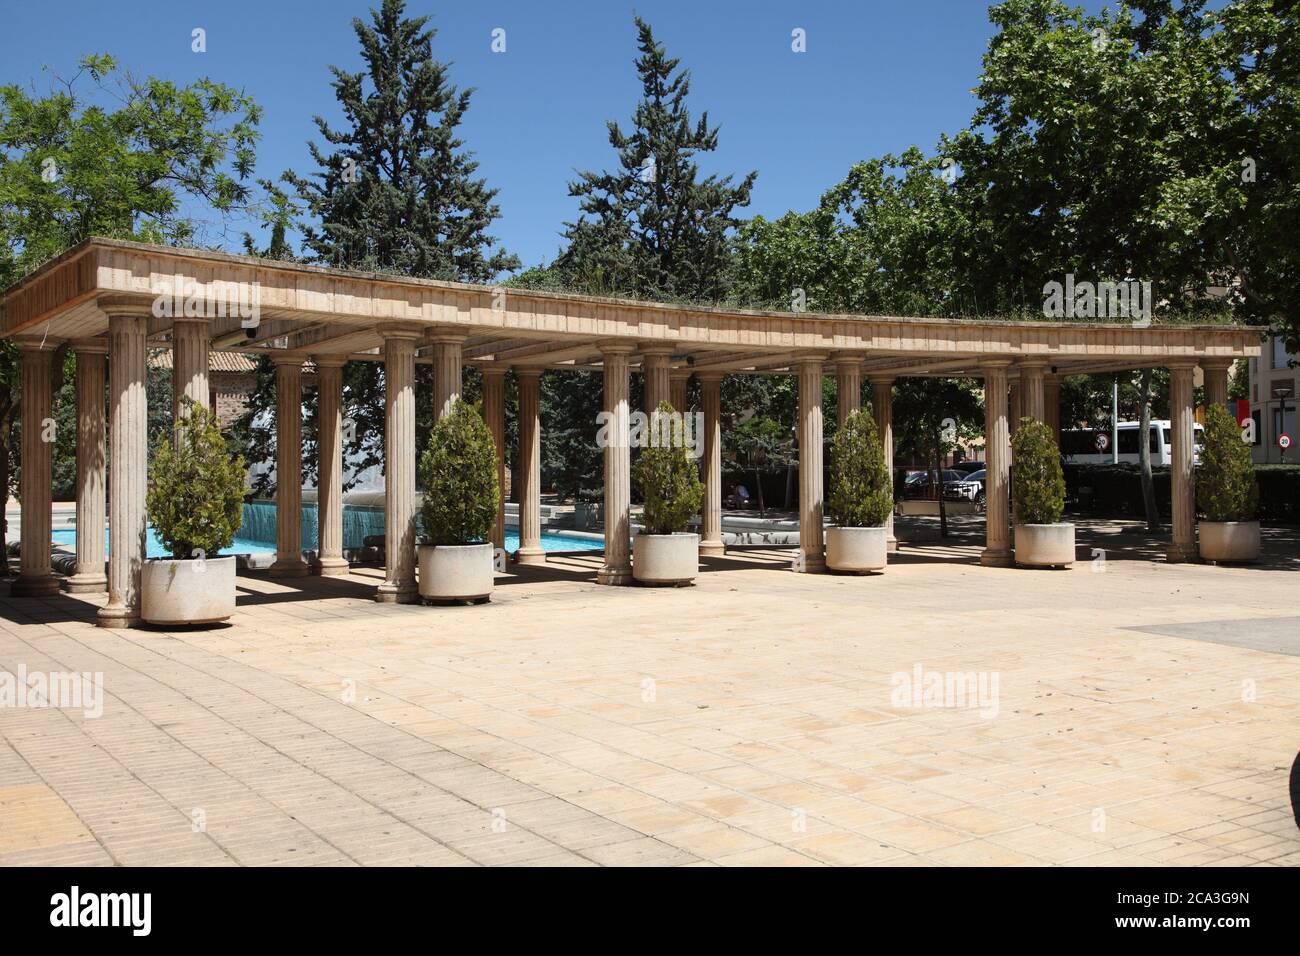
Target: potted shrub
<point>861,498</point>
<point>195,504</point>
<point>586,507</point>
<point>1227,494</point>
<point>665,552</point>
<point>1042,539</point>
<point>458,473</point>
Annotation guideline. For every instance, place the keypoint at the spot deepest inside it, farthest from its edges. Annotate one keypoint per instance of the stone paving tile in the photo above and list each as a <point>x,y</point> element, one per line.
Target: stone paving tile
<point>749,720</point>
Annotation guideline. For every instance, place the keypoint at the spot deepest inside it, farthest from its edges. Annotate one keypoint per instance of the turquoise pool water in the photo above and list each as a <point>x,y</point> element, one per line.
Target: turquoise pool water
<point>550,542</point>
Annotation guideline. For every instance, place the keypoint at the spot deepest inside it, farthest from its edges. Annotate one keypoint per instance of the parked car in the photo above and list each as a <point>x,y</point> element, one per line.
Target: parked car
<point>966,467</point>
<point>968,488</point>
<point>918,484</point>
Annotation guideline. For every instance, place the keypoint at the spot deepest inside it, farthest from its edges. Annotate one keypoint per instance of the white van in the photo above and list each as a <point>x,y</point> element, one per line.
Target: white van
<point>1079,445</point>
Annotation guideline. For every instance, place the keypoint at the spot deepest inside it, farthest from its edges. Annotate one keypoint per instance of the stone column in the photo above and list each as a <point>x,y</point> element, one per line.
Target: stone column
<point>448,359</point>
<point>655,366</point>
<point>35,577</point>
<point>189,363</point>
<point>848,388</point>
<point>288,468</point>
<point>677,382</point>
<point>1216,381</point>
<point>997,454</point>
<point>618,468</point>
<point>1033,398</point>
<point>329,486</point>
<point>91,462</point>
<point>128,458</point>
<point>1017,407</point>
<point>1052,403</point>
<point>882,405</point>
<point>399,464</point>
<point>711,517</point>
<point>494,413</point>
<point>811,493</point>
<point>530,467</point>
<point>1181,474</point>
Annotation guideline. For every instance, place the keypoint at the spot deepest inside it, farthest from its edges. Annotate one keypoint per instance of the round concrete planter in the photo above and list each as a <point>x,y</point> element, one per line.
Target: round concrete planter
<point>1045,545</point>
<point>192,591</point>
<point>857,549</point>
<point>666,558</point>
<point>1229,540</point>
<point>456,572</point>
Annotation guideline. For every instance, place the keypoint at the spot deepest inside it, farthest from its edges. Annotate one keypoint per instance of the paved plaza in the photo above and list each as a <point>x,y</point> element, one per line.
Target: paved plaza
<point>1127,711</point>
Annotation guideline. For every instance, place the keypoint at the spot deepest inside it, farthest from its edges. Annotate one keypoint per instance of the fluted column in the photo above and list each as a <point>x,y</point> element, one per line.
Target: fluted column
<point>811,492</point>
<point>1052,403</point>
<point>1017,407</point>
<point>494,413</point>
<point>617,568</point>
<point>848,388</point>
<point>677,382</point>
<point>882,407</point>
<point>91,463</point>
<point>448,360</point>
<point>128,446</point>
<point>189,364</point>
<point>35,577</point>
<point>530,467</point>
<point>399,465</point>
<point>329,486</point>
<point>1216,381</point>
<point>288,468</point>
<point>711,518</point>
<point>1181,474</point>
<point>1033,397</point>
<point>655,361</point>
<point>997,454</point>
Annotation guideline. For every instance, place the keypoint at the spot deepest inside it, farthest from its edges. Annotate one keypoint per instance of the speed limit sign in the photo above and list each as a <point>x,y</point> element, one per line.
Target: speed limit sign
<point>1284,441</point>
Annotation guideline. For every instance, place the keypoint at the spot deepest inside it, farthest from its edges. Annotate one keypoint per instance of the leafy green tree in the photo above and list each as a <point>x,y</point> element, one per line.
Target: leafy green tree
<point>934,417</point>
<point>1039,484</point>
<point>862,489</point>
<point>117,157</point>
<point>1226,486</point>
<point>196,491</point>
<point>458,473</point>
<point>652,227</point>
<point>667,476</point>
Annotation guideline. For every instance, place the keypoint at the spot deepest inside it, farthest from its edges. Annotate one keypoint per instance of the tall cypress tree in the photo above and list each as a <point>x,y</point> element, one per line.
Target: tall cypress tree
<point>652,226</point>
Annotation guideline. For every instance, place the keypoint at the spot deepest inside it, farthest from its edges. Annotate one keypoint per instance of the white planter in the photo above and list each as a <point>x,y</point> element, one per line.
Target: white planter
<point>1045,545</point>
<point>857,549</point>
<point>187,592</point>
<point>462,572</point>
<point>666,558</point>
<point>1229,540</point>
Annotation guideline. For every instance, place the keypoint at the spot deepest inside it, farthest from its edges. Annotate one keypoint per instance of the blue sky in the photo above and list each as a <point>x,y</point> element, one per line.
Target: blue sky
<point>877,77</point>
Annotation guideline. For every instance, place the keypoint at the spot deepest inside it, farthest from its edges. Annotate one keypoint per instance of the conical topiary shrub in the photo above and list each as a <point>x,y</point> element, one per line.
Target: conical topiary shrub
<point>458,472</point>
<point>861,493</point>
<point>668,478</point>
<point>1039,485</point>
<point>196,489</point>
<point>1226,487</point>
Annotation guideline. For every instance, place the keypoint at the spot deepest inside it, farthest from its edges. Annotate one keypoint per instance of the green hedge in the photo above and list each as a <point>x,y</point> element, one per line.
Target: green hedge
<point>1116,491</point>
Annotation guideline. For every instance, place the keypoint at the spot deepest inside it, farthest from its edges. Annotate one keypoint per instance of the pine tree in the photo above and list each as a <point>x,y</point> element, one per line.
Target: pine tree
<point>653,227</point>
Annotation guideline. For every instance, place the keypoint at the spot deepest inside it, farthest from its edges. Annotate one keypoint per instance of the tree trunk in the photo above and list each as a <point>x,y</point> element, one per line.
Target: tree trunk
<point>1144,454</point>
<point>938,484</point>
<point>758,485</point>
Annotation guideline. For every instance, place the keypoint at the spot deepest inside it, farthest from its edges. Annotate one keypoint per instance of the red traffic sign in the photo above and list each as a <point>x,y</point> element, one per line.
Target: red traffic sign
<point>1103,441</point>
<point>1284,441</point>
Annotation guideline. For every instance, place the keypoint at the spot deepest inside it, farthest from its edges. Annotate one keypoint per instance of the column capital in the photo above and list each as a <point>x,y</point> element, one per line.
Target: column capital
<point>493,371</point>
<point>1182,365</point>
<point>528,371</point>
<point>329,361</point>
<point>997,365</point>
<point>90,346</point>
<point>290,360</point>
<point>809,358</point>
<point>1217,364</point>
<point>442,335</point>
<point>402,331</point>
<point>1034,365</point>
<point>656,348</point>
<point>709,375</point>
<point>616,347</point>
<point>849,360</point>
<point>124,305</point>
<point>37,343</point>
<point>881,381</point>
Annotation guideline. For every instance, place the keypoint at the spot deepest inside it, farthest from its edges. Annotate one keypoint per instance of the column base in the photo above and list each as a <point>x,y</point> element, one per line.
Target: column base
<point>37,585</point>
<point>83,583</point>
<point>388,593</point>
<point>332,567</point>
<point>1182,554</point>
<point>813,564</point>
<point>614,576</point>
<point>117,616</point>
<point>289,568</point>
<point>530,556</point>
<point>997,558</point>
<point>712,549</point>
<point>891,543</point>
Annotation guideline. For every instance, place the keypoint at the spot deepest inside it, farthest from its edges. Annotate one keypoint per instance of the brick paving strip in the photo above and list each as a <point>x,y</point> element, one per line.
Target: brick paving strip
<point>747,720</point>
